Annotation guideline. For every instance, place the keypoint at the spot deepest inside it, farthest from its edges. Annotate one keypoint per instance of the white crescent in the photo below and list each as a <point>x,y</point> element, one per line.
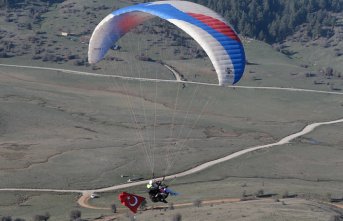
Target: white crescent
<point>133,204</point>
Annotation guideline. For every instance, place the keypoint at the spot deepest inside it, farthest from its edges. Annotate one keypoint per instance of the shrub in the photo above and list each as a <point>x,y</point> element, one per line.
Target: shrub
<point>260,192</point>
<point>177,217</point>
<point>73,56</point>
<point>328,197</point>
<point>329,71</point>
<point>75,214</point>
<point>197,203</point>
<point>94,68</point>
<point>5,55</point>
<point>336,218</point>
<point>79,62</point>
<point>171,206</point>
<point>114,208</point>
<point>36,57</point>
<point>44,217</point>
<point>244,194</point>
<point>143,205</point>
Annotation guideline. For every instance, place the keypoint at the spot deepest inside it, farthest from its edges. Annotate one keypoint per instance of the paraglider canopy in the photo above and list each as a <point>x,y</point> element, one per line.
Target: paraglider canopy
<point>205,26</point>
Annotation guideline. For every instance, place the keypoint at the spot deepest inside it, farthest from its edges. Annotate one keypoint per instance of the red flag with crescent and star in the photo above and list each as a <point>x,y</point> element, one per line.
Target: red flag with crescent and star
<point>131,201</point>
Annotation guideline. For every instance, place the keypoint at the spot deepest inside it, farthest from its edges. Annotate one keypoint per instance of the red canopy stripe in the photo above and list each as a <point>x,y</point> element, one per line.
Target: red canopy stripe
<point>216,25</point>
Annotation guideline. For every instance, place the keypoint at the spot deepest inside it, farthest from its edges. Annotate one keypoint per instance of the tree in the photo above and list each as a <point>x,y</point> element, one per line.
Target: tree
<point>274,20</point>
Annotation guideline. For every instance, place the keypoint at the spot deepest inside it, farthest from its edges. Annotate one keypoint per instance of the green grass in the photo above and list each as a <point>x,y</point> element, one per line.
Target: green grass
<point>70,121</point>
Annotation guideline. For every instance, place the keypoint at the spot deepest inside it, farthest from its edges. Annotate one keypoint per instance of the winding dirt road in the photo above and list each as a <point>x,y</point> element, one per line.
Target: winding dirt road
<point>196,169</point>
<point>83,202</point>
<point>86,193</point>
<point>206,165</point>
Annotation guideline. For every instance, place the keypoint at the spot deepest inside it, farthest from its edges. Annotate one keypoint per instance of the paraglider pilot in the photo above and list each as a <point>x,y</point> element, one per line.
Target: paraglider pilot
<point>157,191</point>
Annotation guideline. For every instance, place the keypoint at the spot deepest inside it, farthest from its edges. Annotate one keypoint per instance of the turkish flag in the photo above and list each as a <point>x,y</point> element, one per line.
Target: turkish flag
<point>131,201</point>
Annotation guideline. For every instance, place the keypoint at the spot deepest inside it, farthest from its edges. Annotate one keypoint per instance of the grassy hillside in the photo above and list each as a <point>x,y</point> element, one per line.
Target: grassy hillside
<point>157,40</point>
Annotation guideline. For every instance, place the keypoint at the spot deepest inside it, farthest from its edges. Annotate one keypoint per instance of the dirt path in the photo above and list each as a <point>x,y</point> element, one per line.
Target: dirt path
<point>170,81</point>
<point>176,74</point>
<point>83,201</point>
<point>206,165</point>
<point>338,205</point>
<point>196,169</point>
<point>207,202</point>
